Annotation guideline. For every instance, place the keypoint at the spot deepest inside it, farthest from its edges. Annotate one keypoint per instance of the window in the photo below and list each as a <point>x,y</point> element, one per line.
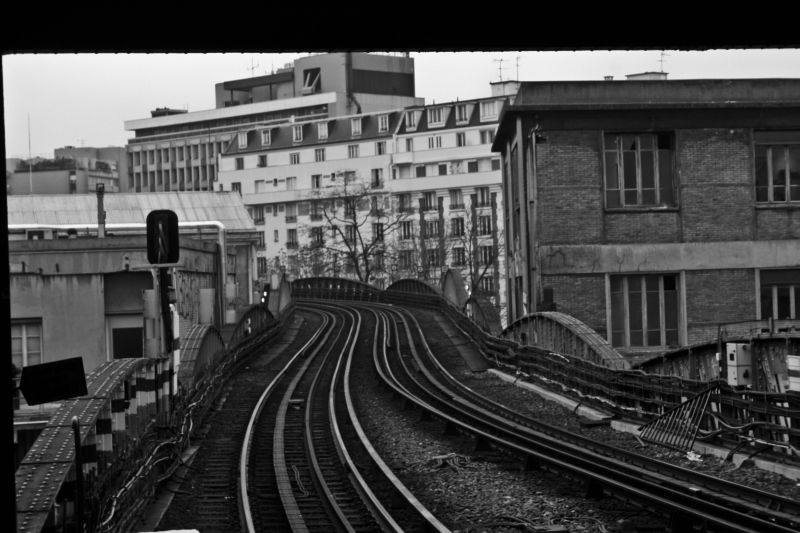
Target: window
<point>456,199</point>
<point>355,126</point>
<point>349,176</point>
<point>322,131</point>
<point>261,266</point>
<point>294,158</point>
<point>236,187</point>
<point>461,139</point>
<point>461,113</point>
<point>406,230</point>
<point>297,133</point>
<point>377,231</point>
<point>644,310</point>
<point>777,166</point>
<point>291,183</point>
<point>317,235</point>
<point>405,203</point>
<point>486,284</point>
<point>442,169</point>
<point>459,256</point>
<point>435,116</point>
<point>241,137</point>
<point>26,343</point>
<point>319,154</point>
<point>275,234</point>
<point>420,170</point>
<point>350,233</point>
<point>262,160</point>
<point>377,178</point>
<point>435,141</point>
<point>472,166</point>
<point>411,120</point>
<point>432,258</point>
<point>266,137</point>
<point>195,148</point>
<point>484,197</point>
<point>485,255</point>
<point>409,144</point>
<point>316,181</point>
<point>383,123</point>
<point>488,110</point>
<point>260,244</point>
<point>406,259</point>
<point>239,163</point>
<point>487,136</point>
<point>638,169</point>
<point>291,238</point>
<point>484,225</point>
<point>311,81</point>
<point>380,147</point>
<point>457,227</point>
<point>430,228</point>
<point>429,200</point>
<point>495,164</point>
<point>257,212</point>
<point>780,294</point>
<point>352,151</point>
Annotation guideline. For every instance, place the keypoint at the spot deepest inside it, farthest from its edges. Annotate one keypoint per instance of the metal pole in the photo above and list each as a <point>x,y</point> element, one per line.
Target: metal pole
<point>76,429</point>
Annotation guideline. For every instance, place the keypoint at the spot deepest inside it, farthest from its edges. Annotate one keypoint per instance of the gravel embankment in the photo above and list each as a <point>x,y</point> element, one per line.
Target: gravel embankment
<point>471,491</point>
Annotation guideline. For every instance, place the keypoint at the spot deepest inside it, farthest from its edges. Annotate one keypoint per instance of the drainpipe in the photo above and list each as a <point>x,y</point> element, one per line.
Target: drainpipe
<point>101,213</point>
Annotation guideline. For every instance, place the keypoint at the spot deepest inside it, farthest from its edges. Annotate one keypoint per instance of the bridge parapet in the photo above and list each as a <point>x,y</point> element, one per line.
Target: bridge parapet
<point>565,334</point>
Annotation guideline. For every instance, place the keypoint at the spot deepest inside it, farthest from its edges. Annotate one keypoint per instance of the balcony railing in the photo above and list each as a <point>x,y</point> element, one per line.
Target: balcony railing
<point>406,209</point>
<point>291,218</point>
<point>456,206</point>
<point>291,245</point>
<point>315,216</point>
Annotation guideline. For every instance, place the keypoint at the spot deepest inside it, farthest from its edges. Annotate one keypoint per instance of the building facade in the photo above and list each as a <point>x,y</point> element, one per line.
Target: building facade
<point>424,185</point>
<point>72,171</point>
<point>657,212</point>
<point>77,284</point>
<point>175,150</point>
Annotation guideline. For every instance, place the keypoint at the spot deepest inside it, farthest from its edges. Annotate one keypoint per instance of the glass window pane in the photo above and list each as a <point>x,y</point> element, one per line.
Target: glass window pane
<point>612,198</point>
<point>646,142</point>
<point>618,319</point>
<point>648,196</point>
<point>629,169</point>
<point>766,303</point>
<point>761,166</point>
<point>784,310</point>
<point>664,141</point>
<point>671,317</point>
<point>631,197</point>
<point>648,170</point>
<point>665,177</point>
<point>616,284</point>
<point>612,180</point>
<point>635,310</point>
<point>629,142</point>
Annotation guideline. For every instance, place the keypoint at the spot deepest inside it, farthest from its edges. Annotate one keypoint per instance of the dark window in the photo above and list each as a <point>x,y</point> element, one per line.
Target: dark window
<point>644,310</point>
<point>777,172</point>
<point>239,163</point>
<point>780,291</point>
<point>639,169</point>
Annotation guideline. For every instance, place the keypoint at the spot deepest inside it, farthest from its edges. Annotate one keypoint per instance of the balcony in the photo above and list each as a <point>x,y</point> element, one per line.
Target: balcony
<point>407,209</point>
<point>315,217</point>
<point>291,219</point>
<point>454,206</point>
<point>291,245</point>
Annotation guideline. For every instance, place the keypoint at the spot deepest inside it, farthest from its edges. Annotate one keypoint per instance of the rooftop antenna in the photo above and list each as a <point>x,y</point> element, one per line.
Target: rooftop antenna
<point>252,68</point>
<point>518,68</point>
<point>500,67</point>
<point>661,60</point>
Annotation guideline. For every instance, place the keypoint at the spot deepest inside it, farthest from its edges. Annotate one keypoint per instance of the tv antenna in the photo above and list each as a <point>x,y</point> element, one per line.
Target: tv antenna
<point>252,68</point>
<point>661,60</point>
<point>517,60</point>
<point>500,67</point>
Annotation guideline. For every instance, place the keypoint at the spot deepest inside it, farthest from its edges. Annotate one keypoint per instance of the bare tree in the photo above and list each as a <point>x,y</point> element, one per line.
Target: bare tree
<point>357,218</point>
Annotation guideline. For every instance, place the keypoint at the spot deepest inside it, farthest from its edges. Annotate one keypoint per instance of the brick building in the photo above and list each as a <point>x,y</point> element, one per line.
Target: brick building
<point>658,212</point>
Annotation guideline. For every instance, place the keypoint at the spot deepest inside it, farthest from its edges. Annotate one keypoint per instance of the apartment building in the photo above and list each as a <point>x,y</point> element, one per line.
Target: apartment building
<point>424,186</point>
<point>659,212</point>
<point>177,150</point>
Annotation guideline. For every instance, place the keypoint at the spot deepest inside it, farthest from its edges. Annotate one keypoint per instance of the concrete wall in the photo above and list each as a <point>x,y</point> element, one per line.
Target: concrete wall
<point>71,309</point>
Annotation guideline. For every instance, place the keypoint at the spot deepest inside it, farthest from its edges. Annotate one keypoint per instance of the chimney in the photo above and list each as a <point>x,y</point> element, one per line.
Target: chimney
<point>101,213</point>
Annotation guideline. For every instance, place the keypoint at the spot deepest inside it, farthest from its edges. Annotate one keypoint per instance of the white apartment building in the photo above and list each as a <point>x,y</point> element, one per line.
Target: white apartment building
<point>429,188</point>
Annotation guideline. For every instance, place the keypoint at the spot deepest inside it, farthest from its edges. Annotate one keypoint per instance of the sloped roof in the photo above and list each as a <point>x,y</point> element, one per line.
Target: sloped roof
<point>128,208</point>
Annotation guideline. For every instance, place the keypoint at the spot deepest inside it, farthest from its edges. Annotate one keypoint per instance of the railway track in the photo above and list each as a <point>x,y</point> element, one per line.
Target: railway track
<point>689,500</point>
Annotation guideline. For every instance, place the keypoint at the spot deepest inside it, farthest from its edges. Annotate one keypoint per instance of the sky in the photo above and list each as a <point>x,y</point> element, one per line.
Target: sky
<point>56,100</point>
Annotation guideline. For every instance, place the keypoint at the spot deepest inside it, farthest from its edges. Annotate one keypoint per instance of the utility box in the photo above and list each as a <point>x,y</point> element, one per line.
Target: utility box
<point>740,364</point>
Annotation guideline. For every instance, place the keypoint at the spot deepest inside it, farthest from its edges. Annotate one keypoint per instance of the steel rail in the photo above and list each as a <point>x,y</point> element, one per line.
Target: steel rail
<point>611,474</point>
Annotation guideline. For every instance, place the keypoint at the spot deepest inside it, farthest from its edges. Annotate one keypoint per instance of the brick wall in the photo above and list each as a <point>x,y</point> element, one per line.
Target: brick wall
<point>716,176</point>
<point>645,227</point>
<point>582,297</point>
<point>705,308</point>
<point>778,223</point>
<point>570,179</point>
